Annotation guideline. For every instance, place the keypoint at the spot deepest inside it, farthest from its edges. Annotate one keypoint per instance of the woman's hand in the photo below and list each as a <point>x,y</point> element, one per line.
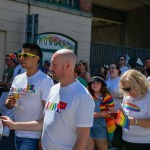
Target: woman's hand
<point>102,114</point>
<point>96,115</point>
<point>132,121</point>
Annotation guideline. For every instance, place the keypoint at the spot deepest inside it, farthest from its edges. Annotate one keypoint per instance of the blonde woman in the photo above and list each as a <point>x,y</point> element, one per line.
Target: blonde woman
<point>136,103</point>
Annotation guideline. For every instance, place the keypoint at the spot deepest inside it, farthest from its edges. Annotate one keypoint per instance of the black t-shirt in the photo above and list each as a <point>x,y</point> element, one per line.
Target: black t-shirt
<point>148,72</point>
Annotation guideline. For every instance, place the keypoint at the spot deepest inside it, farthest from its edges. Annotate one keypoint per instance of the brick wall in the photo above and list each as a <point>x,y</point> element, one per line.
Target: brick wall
<point>86,6</point>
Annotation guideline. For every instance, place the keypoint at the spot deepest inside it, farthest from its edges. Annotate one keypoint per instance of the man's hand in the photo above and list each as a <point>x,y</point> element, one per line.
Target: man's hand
<point>8,122</point>
<point>10,102</point>
<point>36,125</point>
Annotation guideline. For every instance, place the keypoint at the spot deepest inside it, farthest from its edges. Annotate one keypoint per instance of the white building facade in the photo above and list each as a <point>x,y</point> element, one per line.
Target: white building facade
<point>72,23</point>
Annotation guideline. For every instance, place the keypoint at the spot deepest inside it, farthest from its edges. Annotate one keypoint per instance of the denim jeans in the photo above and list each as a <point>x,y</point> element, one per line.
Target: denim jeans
<point>26,143</point>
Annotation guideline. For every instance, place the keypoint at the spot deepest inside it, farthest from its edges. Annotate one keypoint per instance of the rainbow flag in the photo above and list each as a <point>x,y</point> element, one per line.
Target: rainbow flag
<point>111,126</point>
<point>131,107</point>
<point>122,120</point>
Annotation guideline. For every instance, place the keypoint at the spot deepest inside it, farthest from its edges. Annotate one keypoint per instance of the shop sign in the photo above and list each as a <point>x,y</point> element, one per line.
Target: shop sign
<point>55,41</point>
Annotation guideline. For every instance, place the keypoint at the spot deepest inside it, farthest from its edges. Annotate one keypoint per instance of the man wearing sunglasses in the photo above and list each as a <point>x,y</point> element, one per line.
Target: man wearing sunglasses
<point>122,64</point>
<point>8,72</point>
<point>32,95</point>
<point>69,109</point>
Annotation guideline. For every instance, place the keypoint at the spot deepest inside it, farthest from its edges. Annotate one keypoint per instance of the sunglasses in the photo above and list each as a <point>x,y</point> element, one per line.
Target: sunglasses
<point>6,59</point>
<point>112,68</point>
<point>127,89</point>
<point>25,55</point>
<point>121,59</point>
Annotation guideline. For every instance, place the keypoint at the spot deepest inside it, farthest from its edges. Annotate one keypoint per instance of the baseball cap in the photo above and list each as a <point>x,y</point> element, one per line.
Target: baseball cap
<point>13,56</point>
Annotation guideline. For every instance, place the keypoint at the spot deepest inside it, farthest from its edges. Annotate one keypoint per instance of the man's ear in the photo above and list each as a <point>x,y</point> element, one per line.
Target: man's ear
<point>68,64</point>
<point>37,58</point>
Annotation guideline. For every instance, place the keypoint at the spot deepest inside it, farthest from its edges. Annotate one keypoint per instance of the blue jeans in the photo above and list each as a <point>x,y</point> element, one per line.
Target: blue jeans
<point>26,143</point>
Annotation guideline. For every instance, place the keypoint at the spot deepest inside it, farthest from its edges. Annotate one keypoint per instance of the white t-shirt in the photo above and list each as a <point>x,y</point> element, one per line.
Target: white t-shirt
<point>124,69</point>
<point>113,87</point>
<point>66,109</point>
<point>138,134</point>
<point>30,103</point>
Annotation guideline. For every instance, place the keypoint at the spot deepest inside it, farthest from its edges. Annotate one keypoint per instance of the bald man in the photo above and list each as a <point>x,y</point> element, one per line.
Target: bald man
<point>69,108</point>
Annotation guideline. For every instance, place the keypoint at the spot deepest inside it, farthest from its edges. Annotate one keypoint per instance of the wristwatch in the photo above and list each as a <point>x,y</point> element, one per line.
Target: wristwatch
<point>135,121</point>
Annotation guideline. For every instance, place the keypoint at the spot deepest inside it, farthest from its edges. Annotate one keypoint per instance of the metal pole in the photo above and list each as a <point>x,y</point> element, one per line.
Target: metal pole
<point>32,33</point>
<point>26,28</point>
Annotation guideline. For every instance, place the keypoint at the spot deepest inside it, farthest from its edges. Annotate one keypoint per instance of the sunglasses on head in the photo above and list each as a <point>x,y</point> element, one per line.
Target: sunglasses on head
<point>127,89</point>
<point>25,55</point>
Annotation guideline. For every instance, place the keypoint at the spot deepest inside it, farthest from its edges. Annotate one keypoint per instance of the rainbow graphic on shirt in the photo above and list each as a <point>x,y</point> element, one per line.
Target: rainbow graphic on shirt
<point>131,107</point>
<point>122,120</point>
<point>31,88</point>
<point>57,107</point>
<point>20,90</point>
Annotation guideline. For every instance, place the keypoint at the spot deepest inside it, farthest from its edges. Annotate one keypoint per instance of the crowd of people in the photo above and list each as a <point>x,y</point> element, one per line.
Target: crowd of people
<point>62,107</point>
